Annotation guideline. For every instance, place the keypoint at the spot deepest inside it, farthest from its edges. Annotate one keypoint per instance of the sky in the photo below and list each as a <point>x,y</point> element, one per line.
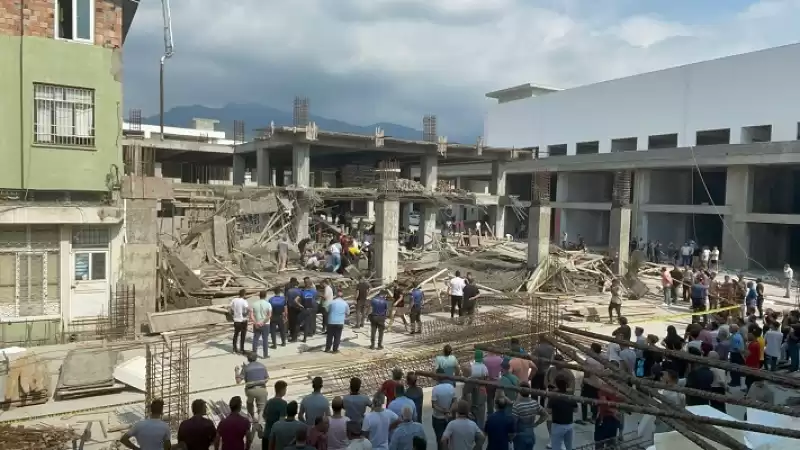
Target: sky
<point>368,61</point>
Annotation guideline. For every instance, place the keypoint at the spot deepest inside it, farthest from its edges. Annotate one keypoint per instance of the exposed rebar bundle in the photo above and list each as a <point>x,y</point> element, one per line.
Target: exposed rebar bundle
<point>540,188</point>
<point>300,112</point>
<point>621,190</point>
<point>429,131</point>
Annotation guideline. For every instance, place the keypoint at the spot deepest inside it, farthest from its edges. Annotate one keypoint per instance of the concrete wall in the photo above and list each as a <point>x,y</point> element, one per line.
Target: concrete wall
<point>592,225</point>
<point>774,190</point>
<point>587,187</point>
<point>27,165</point>
<point>668,228</point>
<point>670,187</point>
<point>769,245</point>
<point>689,99</point>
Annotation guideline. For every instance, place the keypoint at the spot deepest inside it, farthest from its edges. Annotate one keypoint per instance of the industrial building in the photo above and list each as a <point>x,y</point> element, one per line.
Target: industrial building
<point>712,147</point>
<point>62,220</point>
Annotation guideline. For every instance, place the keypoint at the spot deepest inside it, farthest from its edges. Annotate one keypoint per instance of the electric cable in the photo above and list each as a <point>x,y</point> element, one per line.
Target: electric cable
<point>719,213</point>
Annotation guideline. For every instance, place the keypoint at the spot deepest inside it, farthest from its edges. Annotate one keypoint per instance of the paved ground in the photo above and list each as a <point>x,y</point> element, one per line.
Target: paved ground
<point>212,367</point>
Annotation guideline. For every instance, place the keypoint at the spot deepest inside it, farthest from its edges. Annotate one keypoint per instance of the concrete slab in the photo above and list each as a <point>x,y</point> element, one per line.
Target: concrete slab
<point>132,372</point>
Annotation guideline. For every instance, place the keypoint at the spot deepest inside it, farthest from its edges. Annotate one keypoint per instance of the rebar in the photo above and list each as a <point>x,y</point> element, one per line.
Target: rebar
<point>238,132</point>
<point>300,112</point>
<point>135,120</point>
<point>691,429</point>
<point>540,188</point>
<point>686,356</point>
<point>429,132</point>
<point>622,406</point>
<point>742,401</point>
<point>485,326</point>
<point>167,378</point>
<point>621,190</point>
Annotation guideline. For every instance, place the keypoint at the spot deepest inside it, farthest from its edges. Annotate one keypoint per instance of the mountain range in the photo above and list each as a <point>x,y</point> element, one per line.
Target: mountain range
<point>257,116</point>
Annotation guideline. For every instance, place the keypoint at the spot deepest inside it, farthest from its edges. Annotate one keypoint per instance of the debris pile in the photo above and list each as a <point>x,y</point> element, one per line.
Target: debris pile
<point>36,438</point>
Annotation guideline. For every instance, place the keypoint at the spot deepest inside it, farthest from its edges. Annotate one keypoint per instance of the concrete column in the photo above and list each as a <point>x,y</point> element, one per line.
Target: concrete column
<point>280,176</point>
<point>263,168</point>
<point>538,235</point>
<point>429,170</point>
<point>301,164</point>
<point>238,169</point>
<point>497,186</point>
<point>562,195</point>
<point>405,207</point>
<point>641,197</point>
<point>735,237</point>
<point>302,216</point>
<point>386,239</point>
<point>619,237</point>
<point>371,210</point>
<point>140,256</point>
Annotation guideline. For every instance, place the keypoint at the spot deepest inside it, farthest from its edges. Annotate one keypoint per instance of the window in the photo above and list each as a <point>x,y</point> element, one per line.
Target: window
<point>29,271</point>
<point>91,237</point>
<point>63,115</point>
<point>90,266</point>
<point>75,20</point>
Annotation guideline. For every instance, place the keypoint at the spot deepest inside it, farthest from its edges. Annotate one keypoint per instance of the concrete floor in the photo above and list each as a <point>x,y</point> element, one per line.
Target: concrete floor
<point>212,377</point>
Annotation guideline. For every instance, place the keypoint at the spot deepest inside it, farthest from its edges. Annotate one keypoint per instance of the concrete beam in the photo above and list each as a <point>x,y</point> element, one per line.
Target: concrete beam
<point>48,215</point>
<point>183,146</point>
<point>387,227</point>
<point>763,153</point>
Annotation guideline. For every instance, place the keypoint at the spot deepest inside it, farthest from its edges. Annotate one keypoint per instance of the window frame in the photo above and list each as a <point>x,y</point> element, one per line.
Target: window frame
<point>75,38</point>
<point>90,267</point>
<point>56,139</point>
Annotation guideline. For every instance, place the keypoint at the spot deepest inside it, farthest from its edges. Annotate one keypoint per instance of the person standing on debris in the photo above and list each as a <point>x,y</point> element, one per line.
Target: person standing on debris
<point>309,315</point>
<point>456,288</point>
<point>362,291</point>
<point>198,432</point>
<point>294,304</point>
<point>151,433</point>
<point>714,259</point>
<point>260,316</point>
<point>377,318</point>
<point>397,307</point>
<point>686,255</point>
<point>417,298</point>
<point>470,299</point>
<point>255,377</point>
<point>283,253</point>
<point>666,286</point>
<point>564,240</point>
<point>277,321</point>
<point>239,308</point>
<point>788,277</point>
<point>337,312</point>
<point>233,432</point>
<point>615,304</point>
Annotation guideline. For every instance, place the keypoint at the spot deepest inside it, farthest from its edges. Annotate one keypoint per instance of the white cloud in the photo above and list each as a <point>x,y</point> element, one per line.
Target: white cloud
<point>394,60</point>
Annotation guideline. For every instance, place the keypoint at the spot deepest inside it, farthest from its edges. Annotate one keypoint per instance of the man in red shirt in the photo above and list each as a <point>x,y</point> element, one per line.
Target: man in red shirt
<point>607,425</point>
<point>233,431</point>
<point>752,358</point>
<point>389,387</point>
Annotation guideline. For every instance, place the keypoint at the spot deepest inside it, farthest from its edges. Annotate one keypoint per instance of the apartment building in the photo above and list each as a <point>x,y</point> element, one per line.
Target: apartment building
<point>61,221</point>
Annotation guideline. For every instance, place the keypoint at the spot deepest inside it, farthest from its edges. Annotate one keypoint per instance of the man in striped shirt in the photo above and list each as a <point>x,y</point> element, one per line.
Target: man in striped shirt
<point>527,414</point>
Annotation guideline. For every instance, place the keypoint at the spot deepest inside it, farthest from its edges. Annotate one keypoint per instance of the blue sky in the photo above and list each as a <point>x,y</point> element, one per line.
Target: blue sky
<point>366,61</point>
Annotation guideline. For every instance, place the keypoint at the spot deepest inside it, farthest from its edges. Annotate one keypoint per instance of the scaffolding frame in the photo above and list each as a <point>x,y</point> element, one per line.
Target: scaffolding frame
<point>167,378</point>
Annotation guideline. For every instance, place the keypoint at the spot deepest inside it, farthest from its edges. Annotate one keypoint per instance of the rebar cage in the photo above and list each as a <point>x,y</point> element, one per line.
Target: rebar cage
<point>167,378</point>
<point>540,188</point>
<point>621,191</point>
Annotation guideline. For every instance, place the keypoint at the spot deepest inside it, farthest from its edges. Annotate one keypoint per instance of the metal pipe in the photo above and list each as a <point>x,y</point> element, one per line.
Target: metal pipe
<point>686,356</point>
<point>161,96</point>
<point>627,407</point>
<point>749,403</point>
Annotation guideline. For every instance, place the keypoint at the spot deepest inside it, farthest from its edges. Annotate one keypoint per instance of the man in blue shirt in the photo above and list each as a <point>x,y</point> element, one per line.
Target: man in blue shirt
<point>417,298</point>
<point>278,319</point>
<point>499,427</point>
<point>309,309</point>
<point>338,310</point>
<point>377,318</point>
<point>736,356</point>
<point>401,401</point>
<point>699,294</point>
<point>294,303</point>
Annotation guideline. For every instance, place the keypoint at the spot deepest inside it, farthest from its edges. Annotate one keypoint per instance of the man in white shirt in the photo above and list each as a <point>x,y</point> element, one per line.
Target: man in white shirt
<point>456,288</point>
<point>772,350</point>
<point>788,276</point>
<point>564,240</point>
<point>705,257</point>
<point>714,259</point>
<point>239,309</point>
<point>478,228</point>
<point>686,255</point>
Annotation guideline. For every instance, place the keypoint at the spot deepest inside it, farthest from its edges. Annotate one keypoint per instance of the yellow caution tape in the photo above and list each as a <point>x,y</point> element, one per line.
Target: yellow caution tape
<point>668,317</point>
